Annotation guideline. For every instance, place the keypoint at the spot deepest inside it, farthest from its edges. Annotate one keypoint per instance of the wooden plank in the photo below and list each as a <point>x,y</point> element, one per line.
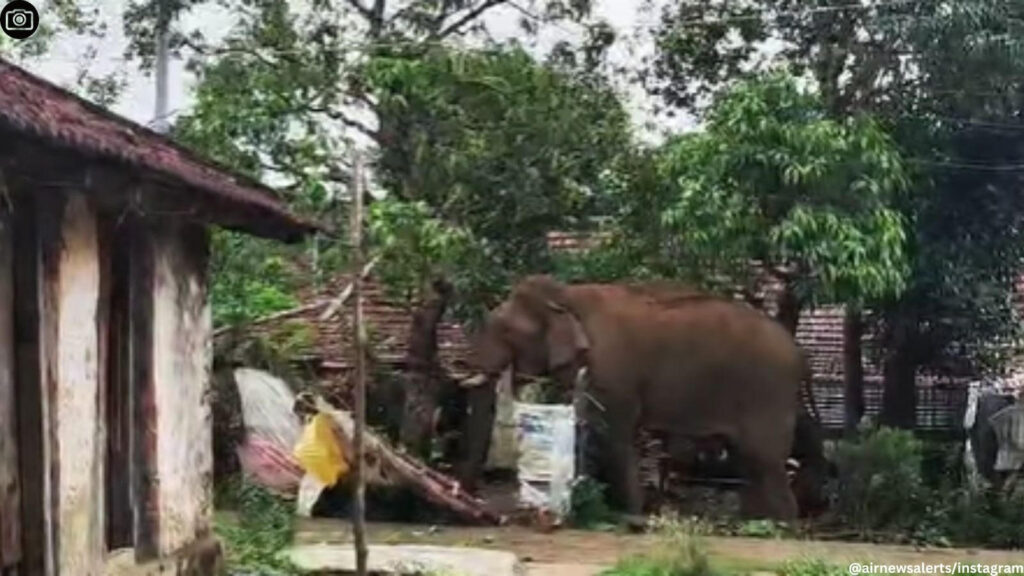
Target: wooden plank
<point>118,405</point>
<point>105,240</point>
<point>144,479</point>
<point>35,547</point>
<point>182,363</point>
<point>10,499</point>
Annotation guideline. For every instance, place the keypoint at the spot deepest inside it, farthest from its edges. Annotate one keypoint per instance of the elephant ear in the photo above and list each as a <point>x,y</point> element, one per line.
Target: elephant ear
<point>565,338</point>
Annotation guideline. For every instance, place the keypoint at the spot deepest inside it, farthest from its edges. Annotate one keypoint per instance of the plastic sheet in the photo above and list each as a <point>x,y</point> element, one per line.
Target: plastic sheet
<point>270,465</point>
<point>272,430</point>
<point>546,437</point>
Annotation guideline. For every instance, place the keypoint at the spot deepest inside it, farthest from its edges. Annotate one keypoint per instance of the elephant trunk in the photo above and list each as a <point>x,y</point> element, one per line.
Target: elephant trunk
<point>481,397</point>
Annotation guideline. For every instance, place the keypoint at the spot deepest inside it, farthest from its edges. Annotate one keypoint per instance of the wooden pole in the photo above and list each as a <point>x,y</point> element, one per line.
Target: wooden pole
<point>359,499</point>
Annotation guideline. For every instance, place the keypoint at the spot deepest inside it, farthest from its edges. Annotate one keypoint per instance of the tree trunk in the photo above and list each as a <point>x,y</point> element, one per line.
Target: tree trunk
<point>853,371</point>
<point>899,396</point>
<point>422,372</point>
<point>789,309</point>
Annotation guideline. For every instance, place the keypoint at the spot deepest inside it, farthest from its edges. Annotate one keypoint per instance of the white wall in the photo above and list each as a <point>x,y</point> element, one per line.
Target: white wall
<point>76,416</point>
<point>182,363</point>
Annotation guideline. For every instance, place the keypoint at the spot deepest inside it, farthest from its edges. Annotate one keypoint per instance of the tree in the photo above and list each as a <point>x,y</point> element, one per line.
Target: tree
<point>458,133</point>
<point>284,93</point>
<point>497,150</point>
<point>772,179</point>
<point>499,145</point>
<point>930,71</point>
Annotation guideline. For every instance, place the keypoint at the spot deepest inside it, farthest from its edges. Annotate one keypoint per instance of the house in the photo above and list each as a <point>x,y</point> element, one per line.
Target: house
<point>105,335</point>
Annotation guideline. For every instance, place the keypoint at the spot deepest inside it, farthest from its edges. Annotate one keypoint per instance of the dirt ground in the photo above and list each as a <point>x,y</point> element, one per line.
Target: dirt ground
<point>577,553</point>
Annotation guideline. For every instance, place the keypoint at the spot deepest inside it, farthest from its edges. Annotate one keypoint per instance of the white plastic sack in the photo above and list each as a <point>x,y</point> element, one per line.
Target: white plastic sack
<point>309,492</point>
<point>546,437</point>
<point>502,454</point>
<point>272,430</point>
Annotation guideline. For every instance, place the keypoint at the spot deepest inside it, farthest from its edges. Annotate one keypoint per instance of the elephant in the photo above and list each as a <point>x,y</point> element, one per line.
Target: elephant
<point>673,360</point>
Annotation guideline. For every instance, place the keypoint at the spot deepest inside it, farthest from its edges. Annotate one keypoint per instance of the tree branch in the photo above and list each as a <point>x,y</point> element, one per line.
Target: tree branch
<point>466,18</point>
<point>340,117</point>
<point>230,50</point>
<point>377,19</point>
<point>359,7</point>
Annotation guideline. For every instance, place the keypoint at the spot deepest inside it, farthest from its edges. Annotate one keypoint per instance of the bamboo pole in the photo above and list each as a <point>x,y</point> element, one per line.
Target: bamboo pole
<point>359,500</point>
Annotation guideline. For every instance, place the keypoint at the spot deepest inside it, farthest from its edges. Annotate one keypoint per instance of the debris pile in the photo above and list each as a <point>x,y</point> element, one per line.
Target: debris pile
<point>301,445</point>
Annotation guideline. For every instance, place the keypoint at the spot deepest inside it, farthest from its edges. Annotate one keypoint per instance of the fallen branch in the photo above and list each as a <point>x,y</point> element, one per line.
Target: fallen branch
<point>337,303</point>
<point>273,317</point>
<point>397,467</point>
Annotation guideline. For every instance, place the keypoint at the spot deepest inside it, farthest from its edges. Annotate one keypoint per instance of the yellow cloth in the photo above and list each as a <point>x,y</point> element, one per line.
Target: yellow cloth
<point>319,451</point>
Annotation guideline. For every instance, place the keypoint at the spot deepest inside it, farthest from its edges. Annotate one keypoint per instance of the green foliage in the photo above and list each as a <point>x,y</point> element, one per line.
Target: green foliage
<point>881,486</point>
<point>416,247</point>
<point>497,149</point>
<point>264,529</point>
<point>772,179</point>
<point>984,518</point>
<point>286,92</point>
<point>811,567</point>
<point>956,117</point>
<point>588,508</point>
<point>251,278</point>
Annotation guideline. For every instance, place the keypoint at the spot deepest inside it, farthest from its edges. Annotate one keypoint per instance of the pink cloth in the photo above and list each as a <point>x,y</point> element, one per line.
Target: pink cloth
<point>269,465</point>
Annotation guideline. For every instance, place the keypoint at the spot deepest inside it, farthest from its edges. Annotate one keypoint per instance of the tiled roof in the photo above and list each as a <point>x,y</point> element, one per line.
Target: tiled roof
<point>820,331</point>
<point>31,106</point>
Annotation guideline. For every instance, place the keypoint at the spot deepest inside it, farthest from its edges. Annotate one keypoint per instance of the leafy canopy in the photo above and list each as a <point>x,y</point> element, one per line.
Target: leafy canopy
<point>497,149</point>
<point>945,79</point>
<point>773,179</point>
<point>488,146</point>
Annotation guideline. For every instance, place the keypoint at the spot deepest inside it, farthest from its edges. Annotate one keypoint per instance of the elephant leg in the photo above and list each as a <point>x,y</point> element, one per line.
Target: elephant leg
<point>476,436</point>
<point>621,462</point>
<point>767,493</point>
<point>623,474</point>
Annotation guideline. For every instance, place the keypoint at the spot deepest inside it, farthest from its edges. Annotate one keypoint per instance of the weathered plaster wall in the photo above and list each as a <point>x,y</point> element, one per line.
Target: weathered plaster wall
<point>182,363</point>
<point>10,512</point>
<point>77,417</point>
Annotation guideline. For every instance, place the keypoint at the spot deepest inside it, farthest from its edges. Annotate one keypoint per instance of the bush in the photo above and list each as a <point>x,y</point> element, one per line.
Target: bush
<point>986,518</point>
<point>880,481</point>
<point>588,507</point>
<point>254,545</point>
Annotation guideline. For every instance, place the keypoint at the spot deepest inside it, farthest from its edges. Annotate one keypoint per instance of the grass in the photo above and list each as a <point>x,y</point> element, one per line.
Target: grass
<point>679,551</point>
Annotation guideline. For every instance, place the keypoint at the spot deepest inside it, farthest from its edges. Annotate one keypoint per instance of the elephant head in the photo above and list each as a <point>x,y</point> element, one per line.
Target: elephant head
<point>534,332</point>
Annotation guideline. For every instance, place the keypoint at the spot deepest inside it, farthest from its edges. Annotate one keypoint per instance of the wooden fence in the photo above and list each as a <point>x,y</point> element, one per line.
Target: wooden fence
<point>940,406</point>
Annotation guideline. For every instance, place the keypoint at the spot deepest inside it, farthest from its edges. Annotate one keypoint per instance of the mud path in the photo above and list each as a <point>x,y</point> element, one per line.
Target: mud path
<point>577,553</point>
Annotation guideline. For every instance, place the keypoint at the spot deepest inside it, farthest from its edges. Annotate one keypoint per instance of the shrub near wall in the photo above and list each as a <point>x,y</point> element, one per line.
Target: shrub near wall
<point>880,481</point>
